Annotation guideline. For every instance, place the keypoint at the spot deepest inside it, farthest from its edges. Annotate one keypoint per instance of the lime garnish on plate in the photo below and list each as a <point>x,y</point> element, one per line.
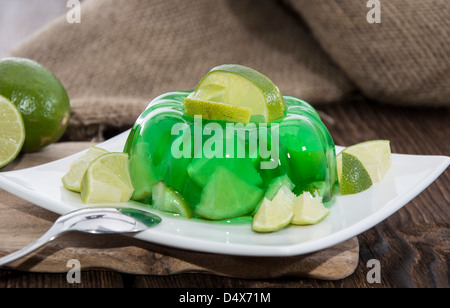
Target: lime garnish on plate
<point>107,180</point>
<point>309,210</point>
<point>375,156</point>
<point>72,179</point>
<point>276,214</point>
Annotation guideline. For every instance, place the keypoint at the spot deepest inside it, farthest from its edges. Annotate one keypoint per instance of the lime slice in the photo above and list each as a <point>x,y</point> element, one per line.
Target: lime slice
<point>12,132</point>
<point>107,180</point>
<point>354,178</point>
<point>309,210</point>
<point>217,111</point>
<point>166,199</point>
<point>72,179</point>
<point>241,86</point>
<point>375,155</point>
<point>276,214</point>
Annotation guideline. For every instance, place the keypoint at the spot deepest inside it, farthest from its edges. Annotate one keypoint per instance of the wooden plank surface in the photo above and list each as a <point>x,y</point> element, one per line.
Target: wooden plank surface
<point>412,245</point>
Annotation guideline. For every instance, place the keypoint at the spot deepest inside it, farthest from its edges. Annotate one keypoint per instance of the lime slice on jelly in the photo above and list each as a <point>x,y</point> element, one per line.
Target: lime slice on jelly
<point>242,86</point>
<point>107,180</point>
<point>217,111</point>
<point>12,132</point>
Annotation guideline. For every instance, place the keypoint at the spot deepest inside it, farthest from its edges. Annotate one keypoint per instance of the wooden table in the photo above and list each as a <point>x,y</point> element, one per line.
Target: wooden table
<point>412,245</point>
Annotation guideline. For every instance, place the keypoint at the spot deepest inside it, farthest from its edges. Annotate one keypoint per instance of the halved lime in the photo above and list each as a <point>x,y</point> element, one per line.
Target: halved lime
<point>107,180</point>
<point>39,96</point>
<point>242,86</point>
<point>276,214</point>
<point>12,132</point>
<point>217,111</point>
<point>309,210</point>
<point>354,178</point>
<point>72,179</point>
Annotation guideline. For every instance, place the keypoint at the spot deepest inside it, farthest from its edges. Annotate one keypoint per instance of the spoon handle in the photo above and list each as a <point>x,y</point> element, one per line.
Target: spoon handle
<point>50,235</point>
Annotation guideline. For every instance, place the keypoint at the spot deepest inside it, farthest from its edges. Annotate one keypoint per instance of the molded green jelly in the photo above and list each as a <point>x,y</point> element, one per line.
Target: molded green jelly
<point>305,153</point>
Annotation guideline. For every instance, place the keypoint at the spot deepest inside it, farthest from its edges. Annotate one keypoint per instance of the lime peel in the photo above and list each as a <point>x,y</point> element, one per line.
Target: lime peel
<point>355,178</point>
<point>217,111</point>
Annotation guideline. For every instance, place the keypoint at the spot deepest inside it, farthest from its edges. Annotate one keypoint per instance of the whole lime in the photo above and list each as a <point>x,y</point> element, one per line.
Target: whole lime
<point>40,98</point>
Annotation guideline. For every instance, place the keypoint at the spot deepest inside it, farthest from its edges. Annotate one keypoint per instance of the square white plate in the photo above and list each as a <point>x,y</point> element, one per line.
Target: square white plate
<point>350,215</point>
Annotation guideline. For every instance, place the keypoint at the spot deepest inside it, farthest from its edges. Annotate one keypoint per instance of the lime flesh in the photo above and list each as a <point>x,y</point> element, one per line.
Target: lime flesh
<point>309,210</point>
<point>12,132</point>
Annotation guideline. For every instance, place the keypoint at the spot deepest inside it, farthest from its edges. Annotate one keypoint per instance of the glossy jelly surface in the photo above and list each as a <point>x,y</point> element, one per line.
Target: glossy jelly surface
<point>213,162</point>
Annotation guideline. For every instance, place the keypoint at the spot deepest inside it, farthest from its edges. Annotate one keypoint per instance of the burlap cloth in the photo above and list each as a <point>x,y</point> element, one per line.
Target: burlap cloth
<point>125,52</point>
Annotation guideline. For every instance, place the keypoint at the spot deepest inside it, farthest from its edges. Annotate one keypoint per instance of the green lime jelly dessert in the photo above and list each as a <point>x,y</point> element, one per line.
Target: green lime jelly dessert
<point>222,170</point>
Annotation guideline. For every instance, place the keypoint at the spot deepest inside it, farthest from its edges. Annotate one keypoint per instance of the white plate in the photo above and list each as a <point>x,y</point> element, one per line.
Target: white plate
<point>350,215</point>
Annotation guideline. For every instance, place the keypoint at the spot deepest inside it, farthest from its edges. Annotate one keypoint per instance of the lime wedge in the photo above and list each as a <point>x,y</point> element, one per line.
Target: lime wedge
<point>12,132</point>
<point>354,178</point>
<point>241,86</point>
<point>217,111</point>
<point>107,180</point>
<point>276,214</point>
<point>375,156</point>
<point>166,199</point>
<point>72,179</point>
<point>309,210</point>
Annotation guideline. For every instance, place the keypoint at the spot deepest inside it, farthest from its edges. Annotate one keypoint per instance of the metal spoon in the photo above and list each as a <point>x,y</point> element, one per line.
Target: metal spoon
<point>95,220</point>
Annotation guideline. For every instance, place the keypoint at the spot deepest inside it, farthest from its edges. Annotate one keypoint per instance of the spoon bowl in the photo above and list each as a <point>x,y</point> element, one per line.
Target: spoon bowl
<point>94,220</point>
